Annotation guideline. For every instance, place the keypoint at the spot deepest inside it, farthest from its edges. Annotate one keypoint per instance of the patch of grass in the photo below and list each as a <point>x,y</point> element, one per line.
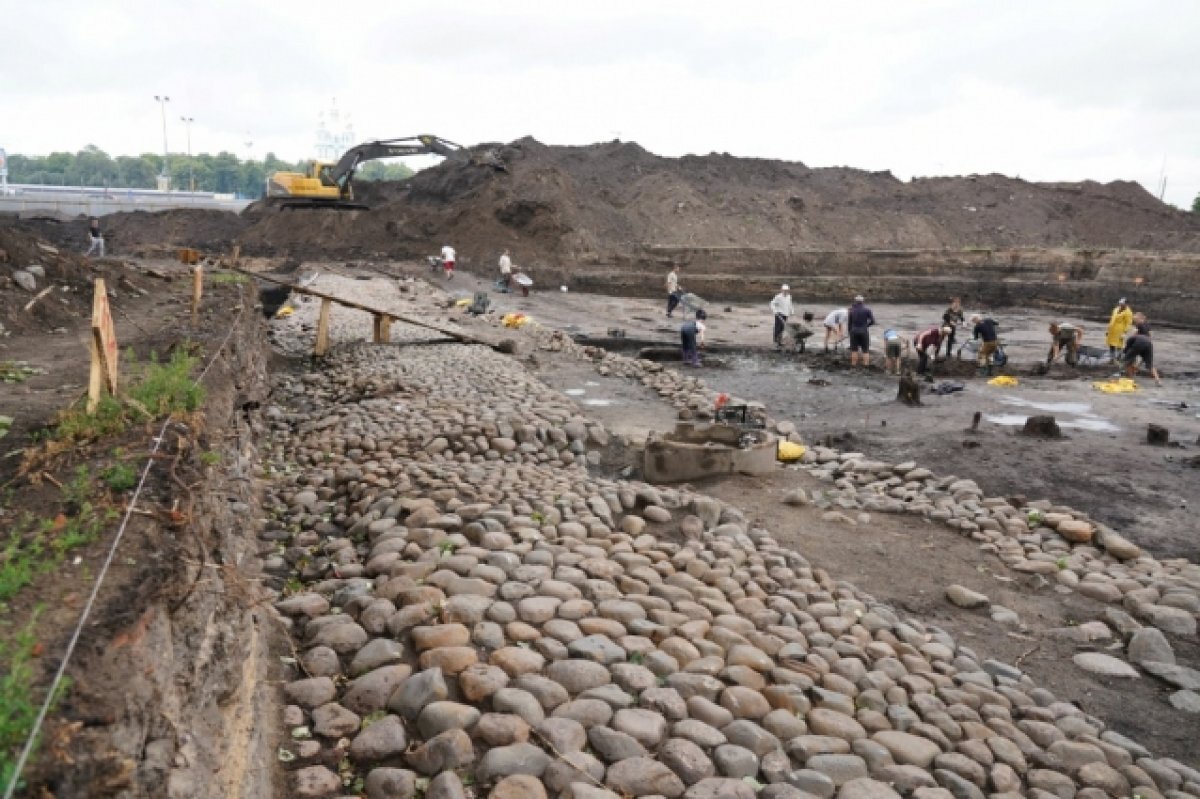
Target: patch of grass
<point>210,458</point>
<point>20,561</point>
<point>17,371</point>
<point>18,704</point>
<point>154,389</point>
<point>231,278</point>
<point>119,477</point>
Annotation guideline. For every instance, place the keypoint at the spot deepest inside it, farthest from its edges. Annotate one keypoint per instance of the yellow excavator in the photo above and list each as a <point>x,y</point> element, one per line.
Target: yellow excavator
<point>327,185</point>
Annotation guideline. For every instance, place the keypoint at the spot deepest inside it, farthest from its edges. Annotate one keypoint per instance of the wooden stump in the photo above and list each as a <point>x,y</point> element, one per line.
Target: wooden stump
<point>1157,435</point>
<point>383,328</point>
<point>910,390</point>
<point>1042,427</point>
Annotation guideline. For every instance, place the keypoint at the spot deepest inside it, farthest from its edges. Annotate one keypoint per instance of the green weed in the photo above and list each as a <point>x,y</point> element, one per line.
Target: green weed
<point>17,371</point>
<point>119,477</point>
<point>230,278</point>
<point>155,389</point>
<point>20,561</point>
<point>210,458</point>
<point>18,709</point>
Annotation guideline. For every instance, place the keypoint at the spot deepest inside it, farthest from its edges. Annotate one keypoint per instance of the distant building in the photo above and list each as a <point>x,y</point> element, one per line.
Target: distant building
<point>335,133</point>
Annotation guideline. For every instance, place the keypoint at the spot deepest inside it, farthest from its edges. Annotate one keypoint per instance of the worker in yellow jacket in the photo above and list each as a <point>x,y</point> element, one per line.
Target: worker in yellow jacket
<point>1122,320</point>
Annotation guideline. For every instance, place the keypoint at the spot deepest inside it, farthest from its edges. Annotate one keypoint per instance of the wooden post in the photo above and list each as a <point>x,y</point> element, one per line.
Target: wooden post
<point>323,330</point>
<point>237,254</point>
<point>383,328</point>
<point>197,289</point>
<point>102,344</point>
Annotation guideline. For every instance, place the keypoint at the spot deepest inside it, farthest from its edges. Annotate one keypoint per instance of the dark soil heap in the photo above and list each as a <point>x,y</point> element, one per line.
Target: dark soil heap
<point>605,202</point>
<point>601,202</point>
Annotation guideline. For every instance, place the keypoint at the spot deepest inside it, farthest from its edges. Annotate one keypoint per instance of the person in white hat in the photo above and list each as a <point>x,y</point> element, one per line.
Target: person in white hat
<point>781,306</point>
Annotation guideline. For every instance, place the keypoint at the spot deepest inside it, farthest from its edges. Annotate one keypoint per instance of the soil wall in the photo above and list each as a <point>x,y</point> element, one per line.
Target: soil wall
<point>170,683</point>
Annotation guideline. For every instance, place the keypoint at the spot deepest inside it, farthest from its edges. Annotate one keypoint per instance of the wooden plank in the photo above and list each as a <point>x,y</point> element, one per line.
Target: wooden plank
<point>102,347</point>
<point>457,335</point>
<point>322,346</point>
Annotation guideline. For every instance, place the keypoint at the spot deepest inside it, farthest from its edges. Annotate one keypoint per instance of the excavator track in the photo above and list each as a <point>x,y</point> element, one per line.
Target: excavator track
<point>334,205</point>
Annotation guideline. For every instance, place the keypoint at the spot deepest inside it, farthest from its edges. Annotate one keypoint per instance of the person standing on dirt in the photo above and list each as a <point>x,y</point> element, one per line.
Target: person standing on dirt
<point>781,306</point>
<point>691,337</point>
<point>952,318</point>
<point>95,237</point>
<point>860,319</point>
<point>1118,326</point>
<point>1140,346</point>
<point>926,340</point>
<point>835,326</point>
<point>673,293</point>
<point>1064,338</point>
<point>894,347</point>
<point>506,273</point>
<point>448,256</point>
<point>985,331</point>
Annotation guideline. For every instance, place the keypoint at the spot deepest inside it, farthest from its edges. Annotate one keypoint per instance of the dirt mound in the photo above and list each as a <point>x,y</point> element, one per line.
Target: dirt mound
<point>137,232</point>
<point>607,202</point>
<point>604,201</point>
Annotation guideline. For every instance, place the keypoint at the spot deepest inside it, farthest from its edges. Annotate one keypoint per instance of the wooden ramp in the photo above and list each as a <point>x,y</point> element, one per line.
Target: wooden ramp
<point>383,318</point>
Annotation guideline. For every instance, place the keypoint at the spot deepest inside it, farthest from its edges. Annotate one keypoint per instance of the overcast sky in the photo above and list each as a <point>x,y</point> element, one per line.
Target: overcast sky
<point>1061,90</point>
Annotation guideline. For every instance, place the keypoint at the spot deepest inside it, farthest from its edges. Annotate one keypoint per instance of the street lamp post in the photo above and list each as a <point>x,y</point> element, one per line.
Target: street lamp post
<point>164,176</point>
<point>187,125</point>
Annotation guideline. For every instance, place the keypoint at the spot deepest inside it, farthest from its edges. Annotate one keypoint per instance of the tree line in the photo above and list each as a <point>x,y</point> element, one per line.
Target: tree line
<point>224,172</point>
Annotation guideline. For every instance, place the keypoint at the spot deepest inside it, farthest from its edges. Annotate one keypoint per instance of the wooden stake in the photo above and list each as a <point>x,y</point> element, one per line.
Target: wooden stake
<point>383,328</point>
<point>237,254</point>
<point>197,289</point>
<point>323,330</point>
<point>102,345</point>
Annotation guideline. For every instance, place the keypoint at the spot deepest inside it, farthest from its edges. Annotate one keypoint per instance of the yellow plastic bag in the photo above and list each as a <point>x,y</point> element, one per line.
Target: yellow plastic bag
<point>1123,385</point>
<point>1004,381</point>
<point>514,320</point>
<point>789,452</point>
<point>463,303</point>
<point>285,312</point>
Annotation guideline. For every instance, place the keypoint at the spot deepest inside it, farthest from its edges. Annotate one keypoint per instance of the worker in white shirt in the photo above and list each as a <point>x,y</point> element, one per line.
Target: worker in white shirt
<point>781,306</point>
<point>448,256</point>
<point>835,325</point>
<point>506,272</point>
<point>674,295</point>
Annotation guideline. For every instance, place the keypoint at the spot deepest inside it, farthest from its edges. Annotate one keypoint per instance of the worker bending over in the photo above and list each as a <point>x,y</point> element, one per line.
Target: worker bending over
<point>1064,338</point>
<point>691,337</point>
<point>894,345</point>
<point>985,332</point>
<point>835,326</point>
<point>1140,347</point>
<point>928,339</point>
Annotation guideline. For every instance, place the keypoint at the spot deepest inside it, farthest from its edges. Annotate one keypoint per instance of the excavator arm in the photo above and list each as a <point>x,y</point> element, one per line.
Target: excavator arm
<point>343,171</point>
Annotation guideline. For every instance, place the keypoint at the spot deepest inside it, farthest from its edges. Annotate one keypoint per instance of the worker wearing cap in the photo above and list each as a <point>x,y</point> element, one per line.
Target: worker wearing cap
<point>859,320</point>
<point>781,306</point>
<point>1118,326</point>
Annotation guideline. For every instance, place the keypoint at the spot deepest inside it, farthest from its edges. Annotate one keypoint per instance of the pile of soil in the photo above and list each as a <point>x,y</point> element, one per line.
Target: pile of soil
<point>70,275</point>
<point>607,200</point>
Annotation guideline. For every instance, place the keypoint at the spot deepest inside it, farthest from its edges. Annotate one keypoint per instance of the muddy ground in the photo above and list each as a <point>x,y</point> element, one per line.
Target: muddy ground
<point>1102,465</point>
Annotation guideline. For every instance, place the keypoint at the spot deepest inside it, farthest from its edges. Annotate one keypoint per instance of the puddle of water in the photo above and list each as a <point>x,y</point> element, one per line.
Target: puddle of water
<point>1049,407</point>
<point>599,402</point>
<point>1091,423</point>
<point>1005,418</point>
<point>591,383</point>
<point>574,392</point>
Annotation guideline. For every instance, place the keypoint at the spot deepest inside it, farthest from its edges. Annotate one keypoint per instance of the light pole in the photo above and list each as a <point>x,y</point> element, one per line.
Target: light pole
<point>164,176</point>
<point>187,125</point>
